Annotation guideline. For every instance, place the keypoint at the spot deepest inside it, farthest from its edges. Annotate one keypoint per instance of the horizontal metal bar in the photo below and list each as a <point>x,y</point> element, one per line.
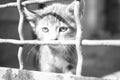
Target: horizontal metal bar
<point>101,42</point>
<point>14,4</point>
<point>66,42</point>
<point>36,42</point>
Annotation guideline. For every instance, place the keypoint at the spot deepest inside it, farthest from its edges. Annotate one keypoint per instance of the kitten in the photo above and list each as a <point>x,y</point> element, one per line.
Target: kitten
<point>55,22</point>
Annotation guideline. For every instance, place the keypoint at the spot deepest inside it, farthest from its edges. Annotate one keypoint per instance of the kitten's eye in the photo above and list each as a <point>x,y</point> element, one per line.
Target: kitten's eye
<point>45,29</point>
<point>63,29</point>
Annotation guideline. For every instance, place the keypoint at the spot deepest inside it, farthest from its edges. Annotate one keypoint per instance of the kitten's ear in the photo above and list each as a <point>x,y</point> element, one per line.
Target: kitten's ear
<point>70,8</point>
<point>30,16</point>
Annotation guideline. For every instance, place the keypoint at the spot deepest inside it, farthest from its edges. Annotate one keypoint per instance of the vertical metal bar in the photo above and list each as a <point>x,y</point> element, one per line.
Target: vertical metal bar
<point>78,36</point>
<point>20,31</point>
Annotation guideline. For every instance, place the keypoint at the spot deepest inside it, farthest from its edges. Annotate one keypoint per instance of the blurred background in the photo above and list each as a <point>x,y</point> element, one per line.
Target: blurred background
<point>100,21</point>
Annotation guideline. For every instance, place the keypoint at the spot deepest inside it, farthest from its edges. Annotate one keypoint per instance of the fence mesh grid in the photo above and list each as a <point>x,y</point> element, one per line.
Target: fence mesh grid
<point>78,42</point>
<point>20,42</point>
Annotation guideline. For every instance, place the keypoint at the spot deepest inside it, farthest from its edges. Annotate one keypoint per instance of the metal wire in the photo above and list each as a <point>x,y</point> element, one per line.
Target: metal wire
<point>78,42</point>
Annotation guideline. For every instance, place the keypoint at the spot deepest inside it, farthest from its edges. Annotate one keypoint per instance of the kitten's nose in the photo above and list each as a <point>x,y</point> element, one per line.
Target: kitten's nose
<point>55,38</point>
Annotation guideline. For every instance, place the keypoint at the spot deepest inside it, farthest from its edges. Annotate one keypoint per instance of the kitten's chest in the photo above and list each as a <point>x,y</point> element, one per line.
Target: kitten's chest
<point>46,55</point>
<point>49,59</point>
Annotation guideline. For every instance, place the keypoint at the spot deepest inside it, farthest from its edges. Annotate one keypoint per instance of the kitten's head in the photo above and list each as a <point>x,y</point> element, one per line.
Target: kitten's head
<point>54,22</point>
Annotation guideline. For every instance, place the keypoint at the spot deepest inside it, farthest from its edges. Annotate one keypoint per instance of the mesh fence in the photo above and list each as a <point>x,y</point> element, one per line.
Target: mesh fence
<point>78,42</point>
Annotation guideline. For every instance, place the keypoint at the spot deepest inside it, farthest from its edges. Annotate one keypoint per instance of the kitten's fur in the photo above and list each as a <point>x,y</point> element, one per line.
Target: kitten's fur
<point>55,22</point>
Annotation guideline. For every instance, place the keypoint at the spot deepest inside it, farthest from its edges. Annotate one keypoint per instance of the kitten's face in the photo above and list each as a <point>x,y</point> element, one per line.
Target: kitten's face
<point>55,22</point>
<point>50,28</point>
